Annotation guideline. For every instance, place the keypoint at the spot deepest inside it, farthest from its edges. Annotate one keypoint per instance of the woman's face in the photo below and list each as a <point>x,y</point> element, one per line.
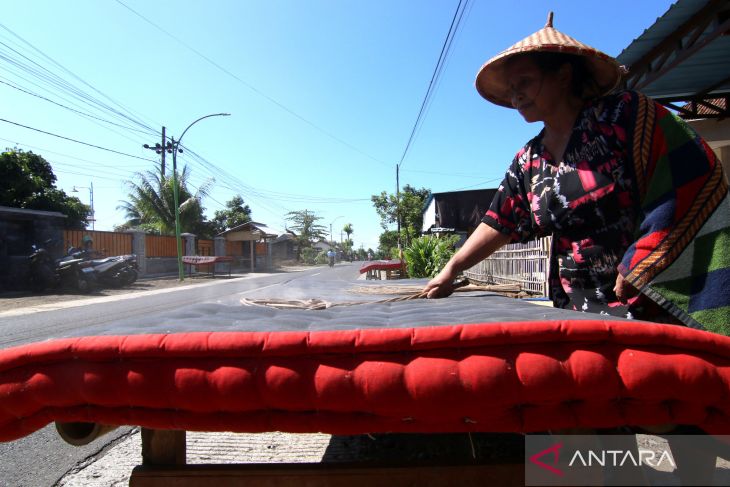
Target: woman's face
<point>533,93</point>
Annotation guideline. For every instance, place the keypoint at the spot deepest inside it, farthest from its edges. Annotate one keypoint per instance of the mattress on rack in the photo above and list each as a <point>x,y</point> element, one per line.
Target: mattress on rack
<point>467,363</point>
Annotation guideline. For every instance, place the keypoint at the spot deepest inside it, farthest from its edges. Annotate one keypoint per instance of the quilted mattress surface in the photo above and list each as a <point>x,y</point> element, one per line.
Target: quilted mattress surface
<point>467,363</point>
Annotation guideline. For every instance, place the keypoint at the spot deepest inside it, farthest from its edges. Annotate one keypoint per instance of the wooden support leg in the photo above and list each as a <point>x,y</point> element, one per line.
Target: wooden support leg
<point>335,475</point>
<point>163,447</point>
<point>160,449</point>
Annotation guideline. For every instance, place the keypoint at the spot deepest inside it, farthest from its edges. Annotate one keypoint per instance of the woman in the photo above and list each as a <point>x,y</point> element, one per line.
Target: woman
<point>635,201</point>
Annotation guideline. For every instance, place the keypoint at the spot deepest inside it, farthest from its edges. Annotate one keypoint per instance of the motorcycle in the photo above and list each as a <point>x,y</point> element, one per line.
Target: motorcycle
<point>45,272</point>
<point>117,271</point>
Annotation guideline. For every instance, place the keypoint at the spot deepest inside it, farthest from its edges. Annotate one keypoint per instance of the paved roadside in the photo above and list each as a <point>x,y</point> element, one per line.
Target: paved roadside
<point>12,303</point>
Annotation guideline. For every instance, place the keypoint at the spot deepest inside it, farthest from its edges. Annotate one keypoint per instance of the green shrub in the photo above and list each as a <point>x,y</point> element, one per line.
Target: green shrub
<point>309,255</point>
<point>321,258</point>
<point>427,255</point>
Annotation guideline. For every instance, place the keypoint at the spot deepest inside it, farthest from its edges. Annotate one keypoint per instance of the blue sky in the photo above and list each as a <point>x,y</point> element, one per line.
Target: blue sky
<point>323,94</point>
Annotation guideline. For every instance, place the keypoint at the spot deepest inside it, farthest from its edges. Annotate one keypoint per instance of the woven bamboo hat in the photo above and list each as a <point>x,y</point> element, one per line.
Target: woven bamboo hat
<point>493,86</point>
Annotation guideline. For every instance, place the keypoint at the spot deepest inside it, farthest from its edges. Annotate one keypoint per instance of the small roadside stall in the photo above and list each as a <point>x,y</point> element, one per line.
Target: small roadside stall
<point>250,243</point>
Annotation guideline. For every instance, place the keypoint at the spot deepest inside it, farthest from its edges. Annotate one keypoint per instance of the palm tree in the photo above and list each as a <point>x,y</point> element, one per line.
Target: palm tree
<point>151,202</point>
<point>349,231</point>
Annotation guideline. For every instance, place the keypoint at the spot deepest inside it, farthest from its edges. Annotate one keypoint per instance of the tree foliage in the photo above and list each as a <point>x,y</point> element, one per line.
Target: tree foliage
<point>348,243</point>
<point>409,211</point>
<point>27,181</point>
<point>237,212</point>
<point>388,245</point>
<point>151,204</point>
<point>304,224</point>
<point>427,255</point>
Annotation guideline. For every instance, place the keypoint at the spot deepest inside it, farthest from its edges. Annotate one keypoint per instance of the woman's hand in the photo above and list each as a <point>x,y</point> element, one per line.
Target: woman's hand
<point>624,291</point>
<point>480,245</point>
<point>440,286</point>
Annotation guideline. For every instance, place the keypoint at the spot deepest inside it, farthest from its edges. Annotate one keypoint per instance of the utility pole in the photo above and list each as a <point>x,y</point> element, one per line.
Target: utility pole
<point>162,154</point>
<point>161,149</point>
<point>397,208</point>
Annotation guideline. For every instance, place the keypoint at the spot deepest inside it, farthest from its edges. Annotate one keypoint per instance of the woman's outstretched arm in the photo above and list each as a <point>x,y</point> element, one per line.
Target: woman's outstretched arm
<point>481,244</point>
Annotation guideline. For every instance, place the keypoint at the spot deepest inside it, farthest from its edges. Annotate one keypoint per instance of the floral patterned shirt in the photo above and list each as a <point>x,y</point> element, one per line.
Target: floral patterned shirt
<point>588,202</point>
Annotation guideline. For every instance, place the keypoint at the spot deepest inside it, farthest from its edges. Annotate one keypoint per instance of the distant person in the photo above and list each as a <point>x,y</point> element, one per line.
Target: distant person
<point>635,200</point>
<point>331,257</point>
<point>87,243</point>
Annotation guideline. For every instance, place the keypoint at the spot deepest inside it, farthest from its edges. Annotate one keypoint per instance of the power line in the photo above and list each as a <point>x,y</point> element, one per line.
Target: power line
<point>94,163</point>
<point>272,194</point>
<point>455,21</point>
<point>437,173</point>
<point>69,108</point>
<point>95,176</point>
<point>64,69</point>
<point>479,184</point>
<point>251,87</point>
<point>74,140</point>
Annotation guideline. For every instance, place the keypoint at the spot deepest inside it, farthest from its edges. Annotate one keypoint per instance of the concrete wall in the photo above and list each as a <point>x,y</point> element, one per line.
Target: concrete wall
<point>19,230</point>
<point>429,216</point>
<point>161,265</point>
<point>717,134</point>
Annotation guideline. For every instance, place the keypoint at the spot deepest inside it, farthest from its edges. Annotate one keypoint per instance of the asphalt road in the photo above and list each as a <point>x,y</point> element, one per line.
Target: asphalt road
<point>42,458</point>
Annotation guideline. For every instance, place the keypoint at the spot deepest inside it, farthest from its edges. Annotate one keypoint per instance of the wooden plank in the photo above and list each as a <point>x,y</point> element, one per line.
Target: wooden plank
<point>163,447</point>
<point>328,475</point>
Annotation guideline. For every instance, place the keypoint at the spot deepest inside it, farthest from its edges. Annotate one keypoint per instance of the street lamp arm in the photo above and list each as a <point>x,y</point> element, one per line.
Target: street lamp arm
<point>198,120</point>
<point>175,145</point>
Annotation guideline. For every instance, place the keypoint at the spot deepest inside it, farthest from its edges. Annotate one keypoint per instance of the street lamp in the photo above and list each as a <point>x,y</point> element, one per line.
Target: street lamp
<point>91,200</point>
<point>175,148</point>
<point>336,218</point>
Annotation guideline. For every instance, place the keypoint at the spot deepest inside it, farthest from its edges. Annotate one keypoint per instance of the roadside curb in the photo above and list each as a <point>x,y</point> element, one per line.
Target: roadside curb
<point>117,297</point>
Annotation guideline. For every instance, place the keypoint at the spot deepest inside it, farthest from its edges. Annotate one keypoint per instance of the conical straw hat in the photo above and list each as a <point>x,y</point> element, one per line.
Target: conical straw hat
<point>491,82</point>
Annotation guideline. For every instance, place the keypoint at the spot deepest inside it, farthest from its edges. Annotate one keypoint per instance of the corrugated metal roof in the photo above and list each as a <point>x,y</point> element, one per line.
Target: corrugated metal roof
<point>708,67</point>
<point>254,227</point>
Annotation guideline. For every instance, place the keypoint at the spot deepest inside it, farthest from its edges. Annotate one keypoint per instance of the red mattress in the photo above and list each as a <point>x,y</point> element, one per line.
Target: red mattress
<point>490,377</point>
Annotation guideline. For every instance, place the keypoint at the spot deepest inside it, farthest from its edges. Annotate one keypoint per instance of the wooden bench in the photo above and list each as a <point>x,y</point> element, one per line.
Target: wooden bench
<point>373,269</point>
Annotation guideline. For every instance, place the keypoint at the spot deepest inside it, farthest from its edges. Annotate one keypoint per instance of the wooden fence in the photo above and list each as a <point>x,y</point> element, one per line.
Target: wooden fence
<point>524,264</point>
<point>235,249</point>
<point>205,247</point>
<point>120,243</point>
<point>110,243</point>
<point>160,246</point>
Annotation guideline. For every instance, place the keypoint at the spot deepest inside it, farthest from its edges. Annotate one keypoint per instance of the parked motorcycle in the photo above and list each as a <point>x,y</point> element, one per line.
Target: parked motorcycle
<point>45,272</point>
<point>117,271</point>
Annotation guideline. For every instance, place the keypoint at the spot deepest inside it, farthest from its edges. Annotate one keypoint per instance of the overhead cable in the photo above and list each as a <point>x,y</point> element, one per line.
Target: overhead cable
<point>250,86</point>
<point>445,48</point>
<point>76,141</point>
<point>129,116</point>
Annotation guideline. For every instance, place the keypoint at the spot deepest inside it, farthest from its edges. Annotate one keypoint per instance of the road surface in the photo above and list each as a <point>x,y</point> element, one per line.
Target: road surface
<point>42,458</point>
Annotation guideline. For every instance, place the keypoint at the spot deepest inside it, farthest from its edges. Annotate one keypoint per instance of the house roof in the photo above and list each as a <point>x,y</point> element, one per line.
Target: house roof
<point>683,57</point>
<point>256,227</point>
<point>284,237</point>
<point>433,196</point>
<point>25,211</point>
<point>711,108</point>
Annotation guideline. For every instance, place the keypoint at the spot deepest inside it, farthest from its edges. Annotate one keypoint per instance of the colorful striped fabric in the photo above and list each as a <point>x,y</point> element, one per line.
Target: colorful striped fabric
<point>681,258</point>
<point>636,192</point>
